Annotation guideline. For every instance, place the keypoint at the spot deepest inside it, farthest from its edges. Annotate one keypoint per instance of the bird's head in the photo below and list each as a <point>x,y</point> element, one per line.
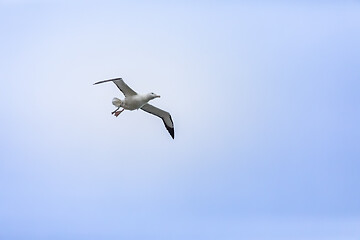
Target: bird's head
<point>152,95</point>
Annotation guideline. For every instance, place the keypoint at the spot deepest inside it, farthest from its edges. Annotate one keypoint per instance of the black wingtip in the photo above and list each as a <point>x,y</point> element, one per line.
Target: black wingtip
<point>170,130</point>
<point>109,80</point>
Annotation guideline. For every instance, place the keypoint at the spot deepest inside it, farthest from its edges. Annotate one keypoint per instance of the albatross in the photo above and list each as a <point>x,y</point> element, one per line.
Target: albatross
<point>134,101</point>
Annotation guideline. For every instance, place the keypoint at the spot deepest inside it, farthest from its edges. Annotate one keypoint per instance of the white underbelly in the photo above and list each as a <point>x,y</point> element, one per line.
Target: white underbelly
<point>134,102</point>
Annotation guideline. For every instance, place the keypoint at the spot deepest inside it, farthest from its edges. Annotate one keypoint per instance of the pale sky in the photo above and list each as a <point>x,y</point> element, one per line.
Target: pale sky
<point>264,98</point>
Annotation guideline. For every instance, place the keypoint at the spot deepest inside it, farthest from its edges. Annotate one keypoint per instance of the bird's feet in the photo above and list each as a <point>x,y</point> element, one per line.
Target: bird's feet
<point>116,113</point>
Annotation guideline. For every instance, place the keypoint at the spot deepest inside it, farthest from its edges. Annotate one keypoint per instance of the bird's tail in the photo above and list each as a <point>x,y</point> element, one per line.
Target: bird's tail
<point>116,102</point>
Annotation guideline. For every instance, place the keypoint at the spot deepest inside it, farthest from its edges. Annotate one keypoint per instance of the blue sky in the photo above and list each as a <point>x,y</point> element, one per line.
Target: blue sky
<point>265,101</point>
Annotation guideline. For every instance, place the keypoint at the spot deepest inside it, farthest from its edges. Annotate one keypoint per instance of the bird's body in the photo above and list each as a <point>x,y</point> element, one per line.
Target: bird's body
<point>133,101</point>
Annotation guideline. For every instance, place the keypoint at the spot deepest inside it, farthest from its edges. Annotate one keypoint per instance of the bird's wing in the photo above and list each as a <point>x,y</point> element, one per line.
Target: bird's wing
<point>124,88</point>
<point>165,116</point>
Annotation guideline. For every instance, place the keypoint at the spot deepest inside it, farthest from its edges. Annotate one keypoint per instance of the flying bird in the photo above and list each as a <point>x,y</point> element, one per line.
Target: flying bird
<point>134,101</point>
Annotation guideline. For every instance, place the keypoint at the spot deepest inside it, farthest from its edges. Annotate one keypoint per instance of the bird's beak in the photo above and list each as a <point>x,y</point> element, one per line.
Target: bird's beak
<point>158,96</point>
